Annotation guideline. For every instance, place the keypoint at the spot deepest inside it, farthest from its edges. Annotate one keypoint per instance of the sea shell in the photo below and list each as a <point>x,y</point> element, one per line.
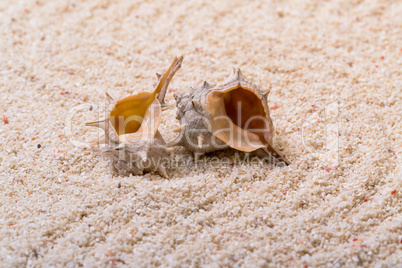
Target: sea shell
<point>232,114</point>
<point>132,139</point>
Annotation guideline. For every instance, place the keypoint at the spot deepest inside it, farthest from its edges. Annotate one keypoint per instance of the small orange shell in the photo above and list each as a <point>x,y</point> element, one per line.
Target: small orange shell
<point>133,141</point>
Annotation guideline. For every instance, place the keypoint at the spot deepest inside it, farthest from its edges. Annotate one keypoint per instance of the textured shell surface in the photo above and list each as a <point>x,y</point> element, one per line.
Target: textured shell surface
<point>131,139</point>
<point>233,114</point>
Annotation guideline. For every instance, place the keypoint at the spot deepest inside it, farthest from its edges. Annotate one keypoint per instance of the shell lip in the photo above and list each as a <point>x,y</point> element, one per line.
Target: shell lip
<point>238,85</point>
<point>222,126</point>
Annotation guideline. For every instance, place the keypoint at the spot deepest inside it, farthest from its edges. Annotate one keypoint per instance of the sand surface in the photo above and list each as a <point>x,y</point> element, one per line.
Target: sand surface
<point>332,65</point>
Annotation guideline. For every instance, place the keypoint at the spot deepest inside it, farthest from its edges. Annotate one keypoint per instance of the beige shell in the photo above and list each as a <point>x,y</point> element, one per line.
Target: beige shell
<point>132,139</point>
<point>232,114</point>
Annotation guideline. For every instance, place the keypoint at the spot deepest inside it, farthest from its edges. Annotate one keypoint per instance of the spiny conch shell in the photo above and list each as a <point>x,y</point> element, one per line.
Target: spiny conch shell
<point>132,139</point>
<point>232,114</point>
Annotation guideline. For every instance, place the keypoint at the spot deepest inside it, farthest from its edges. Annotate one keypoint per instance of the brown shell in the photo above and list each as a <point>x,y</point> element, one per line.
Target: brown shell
<point>232,114</point>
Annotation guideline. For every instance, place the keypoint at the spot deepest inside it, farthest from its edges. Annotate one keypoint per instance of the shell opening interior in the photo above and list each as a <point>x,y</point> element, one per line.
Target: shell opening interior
<point>245,109</point>
<point>127,114</point>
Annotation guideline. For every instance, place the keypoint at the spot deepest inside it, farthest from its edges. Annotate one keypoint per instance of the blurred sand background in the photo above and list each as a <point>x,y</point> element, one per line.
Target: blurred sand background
<point>62,205</point>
